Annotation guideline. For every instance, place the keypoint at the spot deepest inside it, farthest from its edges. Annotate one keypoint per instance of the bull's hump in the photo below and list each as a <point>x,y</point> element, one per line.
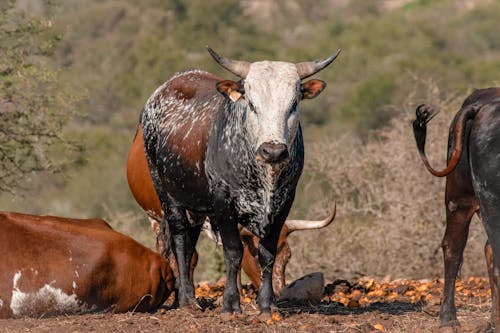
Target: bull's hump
<point>188,104</point>
<point>193,85</point>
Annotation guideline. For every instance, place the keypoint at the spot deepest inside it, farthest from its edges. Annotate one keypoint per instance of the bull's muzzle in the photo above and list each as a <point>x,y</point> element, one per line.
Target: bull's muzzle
<point>272,152</point>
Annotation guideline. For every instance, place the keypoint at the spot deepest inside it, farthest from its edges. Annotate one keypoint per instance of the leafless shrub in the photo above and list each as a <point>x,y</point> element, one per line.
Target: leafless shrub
<point>391,214</point>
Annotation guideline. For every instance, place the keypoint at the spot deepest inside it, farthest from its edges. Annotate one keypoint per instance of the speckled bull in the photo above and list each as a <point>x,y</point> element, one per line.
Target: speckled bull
<point>472,186</point>
<point>141,187</point>
<point>232,151</point>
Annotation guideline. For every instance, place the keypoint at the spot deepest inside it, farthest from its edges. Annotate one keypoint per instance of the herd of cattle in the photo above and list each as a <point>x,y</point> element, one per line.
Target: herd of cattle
<point>226,156</point>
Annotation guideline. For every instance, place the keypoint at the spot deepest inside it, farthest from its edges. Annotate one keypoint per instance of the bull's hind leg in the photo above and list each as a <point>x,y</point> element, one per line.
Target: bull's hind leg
<point>459,212</point>
<point>492,250</point>
<point>177,225</point>
<point>493,263</point>
<point>488,253</point>
<point>495,297</point>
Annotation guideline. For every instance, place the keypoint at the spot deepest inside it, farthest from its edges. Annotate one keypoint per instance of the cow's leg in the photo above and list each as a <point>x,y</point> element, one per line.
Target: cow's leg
<point>488,253</point>
<point>250,263</point>
<point>458,216</point>
<point>176,223</point>
<point>282,257</point>
<point>267,254</point>
<point>193,233</point>
<point>492,251</point>
<point>233,252</point>
<point>155,225</point>
<point>496,286</point>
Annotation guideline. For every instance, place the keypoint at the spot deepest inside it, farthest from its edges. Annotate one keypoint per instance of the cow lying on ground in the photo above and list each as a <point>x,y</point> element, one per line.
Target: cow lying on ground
<point>472,186</point>
<point>141,186</point>
<point>54,266</point>
<point>231,151</point>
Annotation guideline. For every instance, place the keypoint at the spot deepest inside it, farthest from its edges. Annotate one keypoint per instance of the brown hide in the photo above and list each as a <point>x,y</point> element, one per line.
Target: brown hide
<point>250,263</point>
<point>53,266</point>
<point>141,186</point>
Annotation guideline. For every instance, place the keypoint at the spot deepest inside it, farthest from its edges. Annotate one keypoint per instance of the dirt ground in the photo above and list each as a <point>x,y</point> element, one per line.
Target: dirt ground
<point>347,306</point>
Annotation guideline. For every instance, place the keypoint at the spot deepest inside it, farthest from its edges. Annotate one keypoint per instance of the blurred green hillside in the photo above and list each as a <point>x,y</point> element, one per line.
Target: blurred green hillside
<point>114,53</point>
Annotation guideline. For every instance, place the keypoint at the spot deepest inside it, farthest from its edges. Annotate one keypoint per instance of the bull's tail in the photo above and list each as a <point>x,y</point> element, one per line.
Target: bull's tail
<point>424,114</point>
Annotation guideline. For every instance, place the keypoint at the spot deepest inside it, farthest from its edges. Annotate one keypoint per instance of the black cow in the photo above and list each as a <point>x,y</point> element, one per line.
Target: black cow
<point>232,151</point>
<point>472,186</point>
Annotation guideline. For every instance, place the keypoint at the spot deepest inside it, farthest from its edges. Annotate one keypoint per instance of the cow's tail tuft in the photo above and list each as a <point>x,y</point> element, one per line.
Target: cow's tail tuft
<point>424,114</point>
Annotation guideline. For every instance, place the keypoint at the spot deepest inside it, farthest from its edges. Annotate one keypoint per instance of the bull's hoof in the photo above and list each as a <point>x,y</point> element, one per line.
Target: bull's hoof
<point>452,326</point>
<point>191,305</point>
<point>226,316</point>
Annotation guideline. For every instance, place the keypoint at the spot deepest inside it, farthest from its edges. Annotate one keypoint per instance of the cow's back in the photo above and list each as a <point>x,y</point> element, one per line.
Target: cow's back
<point>482,96</point>
<point>54,265</point>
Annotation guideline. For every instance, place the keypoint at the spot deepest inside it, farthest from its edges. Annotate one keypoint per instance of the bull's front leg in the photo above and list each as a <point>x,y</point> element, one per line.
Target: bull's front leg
<point>267,256</point>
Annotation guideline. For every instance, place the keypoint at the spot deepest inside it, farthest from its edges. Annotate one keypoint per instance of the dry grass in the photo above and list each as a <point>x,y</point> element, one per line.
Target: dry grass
<point>391,215</point>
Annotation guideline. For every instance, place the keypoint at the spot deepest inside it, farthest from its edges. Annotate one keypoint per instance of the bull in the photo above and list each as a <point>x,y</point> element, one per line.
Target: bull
<point>472,186</point>
<point>141,186</point>
<point>55,266</point>
<point>231,151</point>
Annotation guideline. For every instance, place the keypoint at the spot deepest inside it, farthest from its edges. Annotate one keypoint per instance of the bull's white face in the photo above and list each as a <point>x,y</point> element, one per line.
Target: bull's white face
<point>272,91</point>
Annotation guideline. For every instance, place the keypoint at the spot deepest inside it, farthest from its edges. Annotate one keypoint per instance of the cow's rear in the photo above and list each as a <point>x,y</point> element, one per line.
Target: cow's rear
<point>54,266</point>
<point>472,185</point>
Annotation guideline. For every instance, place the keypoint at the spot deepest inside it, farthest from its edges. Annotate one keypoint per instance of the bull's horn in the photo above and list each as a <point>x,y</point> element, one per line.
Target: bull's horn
<point>237,67</point>
<point>306,69</point>
<point>294,225</point>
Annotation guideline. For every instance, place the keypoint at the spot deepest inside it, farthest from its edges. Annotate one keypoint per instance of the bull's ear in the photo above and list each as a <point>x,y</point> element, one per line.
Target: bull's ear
<point>312,88</point>
<point>230,89</point>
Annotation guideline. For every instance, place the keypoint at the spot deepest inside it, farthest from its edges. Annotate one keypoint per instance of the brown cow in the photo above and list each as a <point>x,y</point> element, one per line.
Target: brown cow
<point>141,186</point>
<point>472,186</point>
<point>52,266</point>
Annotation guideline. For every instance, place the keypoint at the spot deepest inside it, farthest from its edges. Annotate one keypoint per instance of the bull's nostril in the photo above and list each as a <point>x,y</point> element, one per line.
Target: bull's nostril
<point>272,152</point>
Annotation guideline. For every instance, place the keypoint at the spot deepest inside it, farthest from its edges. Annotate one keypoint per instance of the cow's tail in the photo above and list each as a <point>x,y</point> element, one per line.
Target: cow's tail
<point>424,114</point>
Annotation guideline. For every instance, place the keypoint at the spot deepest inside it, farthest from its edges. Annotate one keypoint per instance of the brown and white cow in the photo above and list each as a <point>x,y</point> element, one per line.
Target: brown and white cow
<point>472,186</point>
<point>141,186</point>
<point>53,266</point>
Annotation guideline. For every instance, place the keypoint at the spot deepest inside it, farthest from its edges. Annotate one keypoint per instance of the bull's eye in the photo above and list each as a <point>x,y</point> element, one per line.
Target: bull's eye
<point>251,107</point>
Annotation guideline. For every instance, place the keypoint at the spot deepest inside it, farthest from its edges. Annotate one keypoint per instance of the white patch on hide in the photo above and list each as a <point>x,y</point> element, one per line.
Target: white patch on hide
<point>452,206</point>
<point>215,236</point>
<point>47,299</point>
